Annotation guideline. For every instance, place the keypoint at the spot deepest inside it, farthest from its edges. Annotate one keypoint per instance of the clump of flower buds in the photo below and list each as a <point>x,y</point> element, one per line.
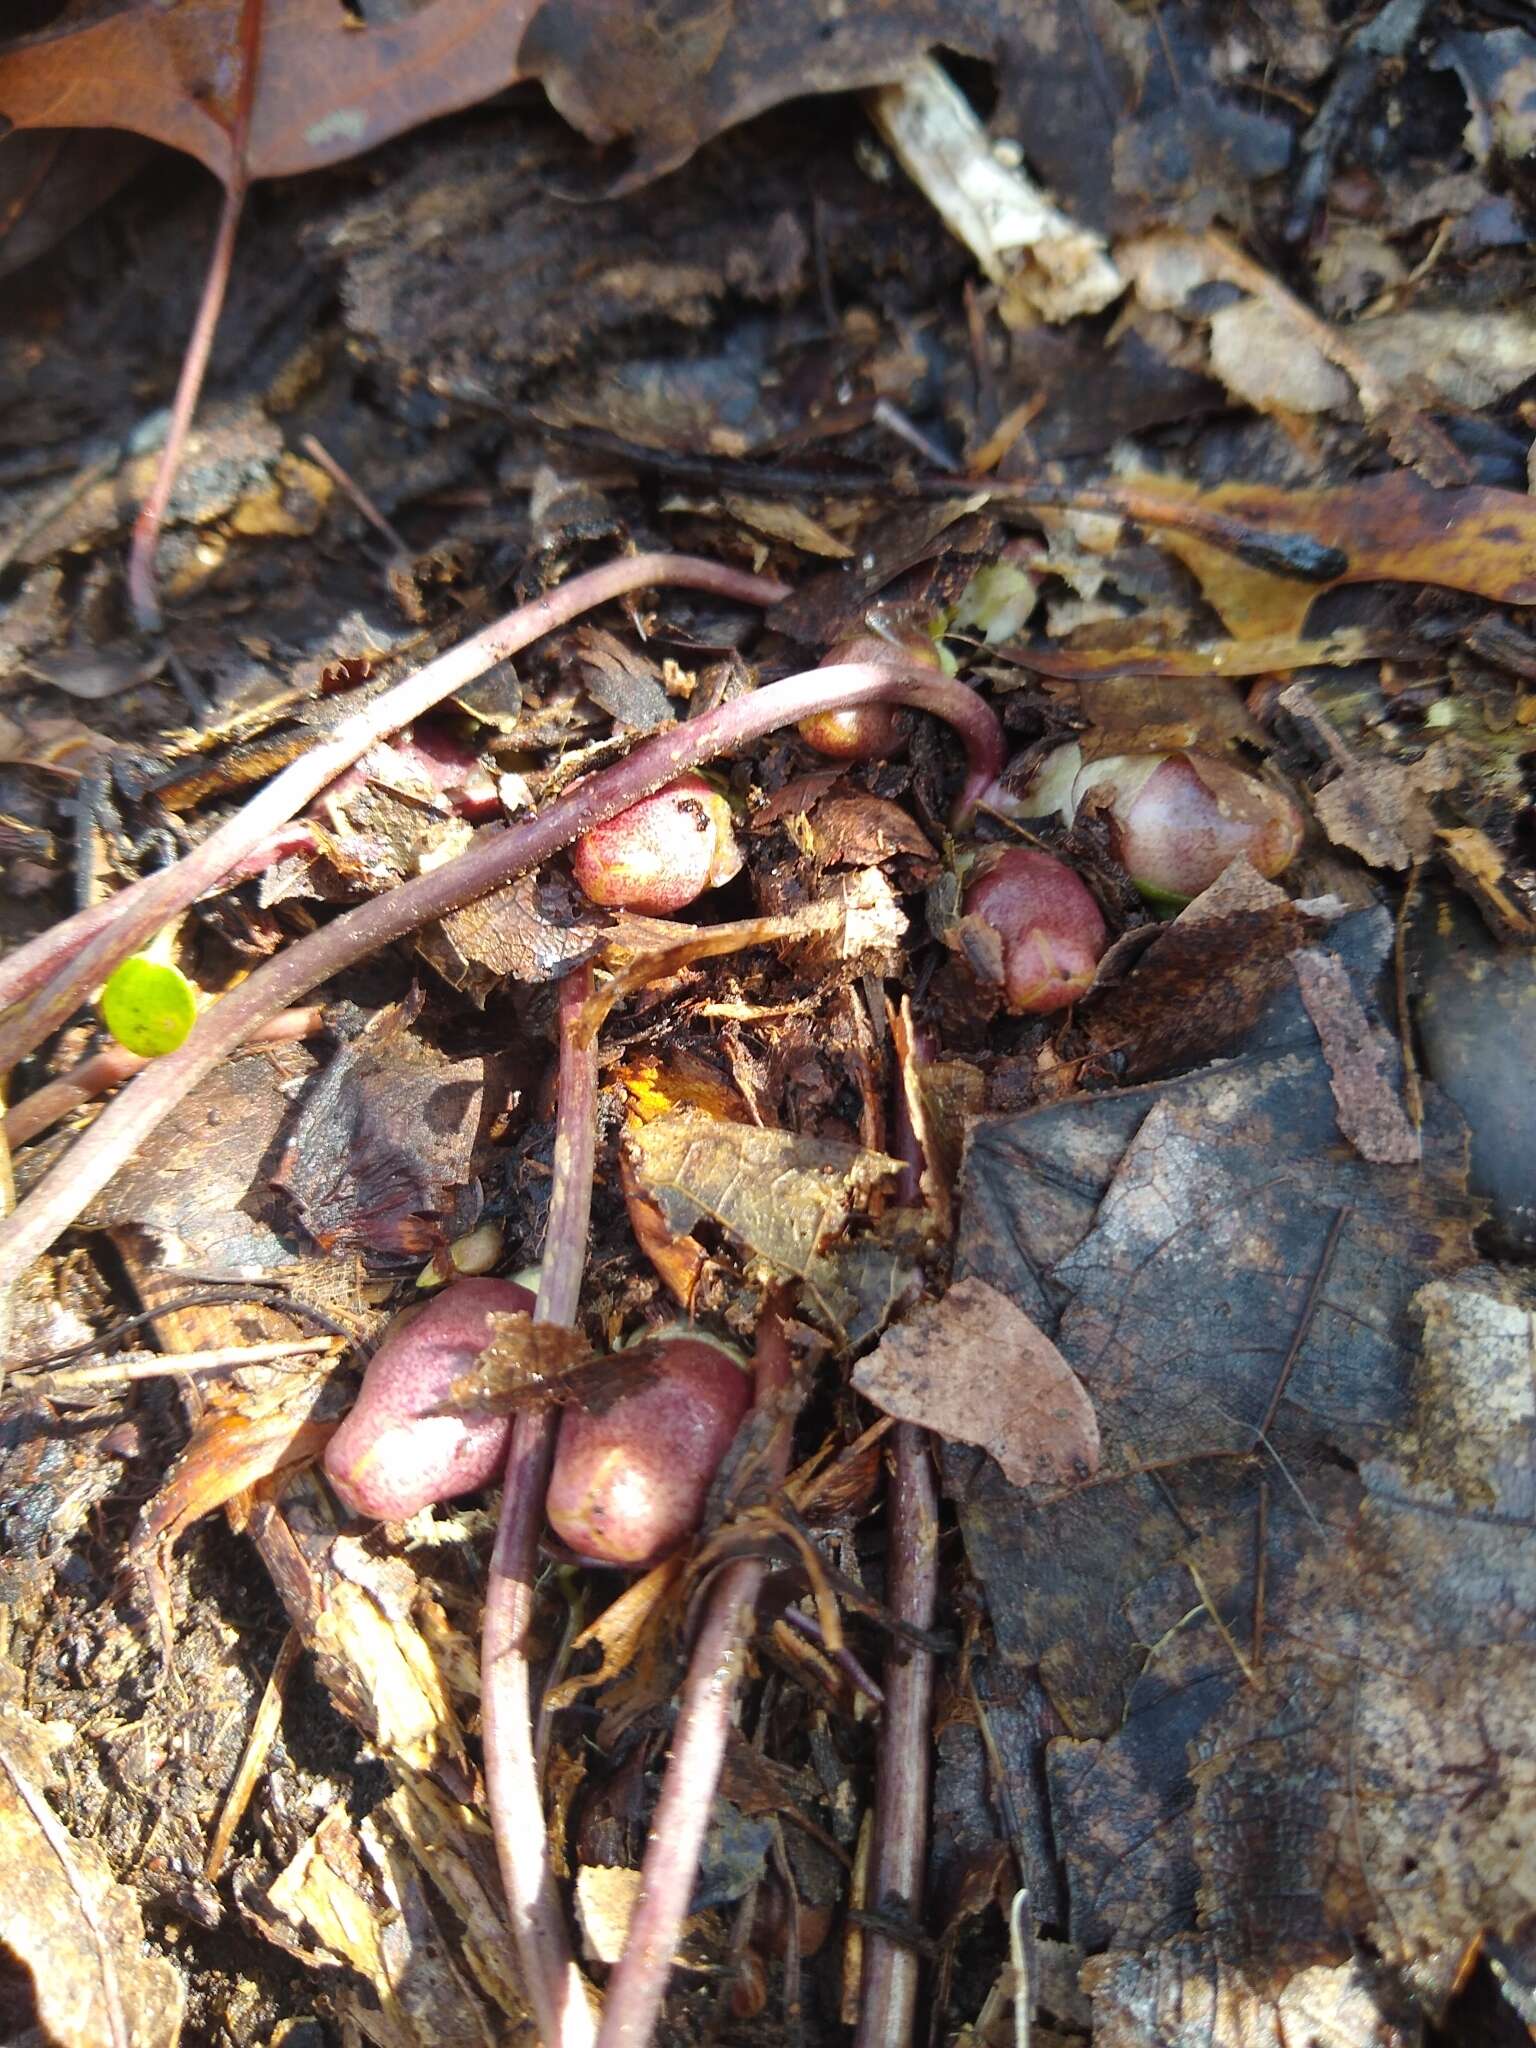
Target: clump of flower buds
<point>1043,927</point>
<point>393,1455</point>
<point>1176,820</point>
<point>662,853</point>
<point>630,1479</point>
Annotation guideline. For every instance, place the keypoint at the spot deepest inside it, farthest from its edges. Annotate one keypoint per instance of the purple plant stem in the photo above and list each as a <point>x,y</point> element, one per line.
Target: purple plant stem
<point>65,963</point>
<point>681,1821</point>
<point>903,1761</point>
<point>126,1123</point>
<point>143,594</point>
<point>554,1984</point>
<point>888,1998</point>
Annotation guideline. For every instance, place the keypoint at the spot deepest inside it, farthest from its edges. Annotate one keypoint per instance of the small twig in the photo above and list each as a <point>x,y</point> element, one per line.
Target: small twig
<point>1260,1575</point>
<point>318,452</point>
<point>1222,1629</point>
<point>125,1124</point>
<point>37,1112</point>
<point>143,593</point>
<point>63,965</point>
<point>806,1625</point>
<point>681,1820</point>
<point>258,1744</point>
<point>556,1989</point>
<point>1413,1093</point>
<point>115,1371</point>
<point>1304,1322</point>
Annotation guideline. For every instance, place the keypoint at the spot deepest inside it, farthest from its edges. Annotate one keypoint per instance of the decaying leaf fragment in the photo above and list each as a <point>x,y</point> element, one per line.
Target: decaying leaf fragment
<point>357,1900</point>
<point>523,1361</point>
<point>1392,528</point>
<point>1184,1995</point>
<point>1360,1056</point>
<point>788,1199</point>
<point>327,87</point>
<point>380,1155</point>
<point>1045,263</point>
<point>66,1918</point>
<point>243,1438</point>
<point>973,1367</point>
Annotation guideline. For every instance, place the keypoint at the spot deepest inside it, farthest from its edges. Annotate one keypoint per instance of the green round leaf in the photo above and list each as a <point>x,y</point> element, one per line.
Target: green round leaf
<point>148,1006</point>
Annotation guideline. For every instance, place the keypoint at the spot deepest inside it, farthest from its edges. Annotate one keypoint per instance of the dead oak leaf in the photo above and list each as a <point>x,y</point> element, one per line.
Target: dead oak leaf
<point>326,89</point>
<point>1395,1719</point>
<point>973,1366</point>
<point>1182,1995</point>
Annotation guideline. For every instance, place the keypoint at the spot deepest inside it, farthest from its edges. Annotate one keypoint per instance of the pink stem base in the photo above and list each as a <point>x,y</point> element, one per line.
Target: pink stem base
<point>556,1990</point>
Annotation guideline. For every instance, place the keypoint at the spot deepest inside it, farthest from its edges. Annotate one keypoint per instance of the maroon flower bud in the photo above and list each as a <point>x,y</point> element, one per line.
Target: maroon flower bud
<point>1048,930</point>
<point>867,732</point>
<point>662,853</point>
<point>393,1455</point>
<point>630,1480</point>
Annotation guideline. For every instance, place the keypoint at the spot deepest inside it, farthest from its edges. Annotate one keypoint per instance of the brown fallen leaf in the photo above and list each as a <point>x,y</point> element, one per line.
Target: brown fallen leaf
<point>973,1366</point>
<point>327,89</point>
<point>1185,1995</point>
<point>1360,1058</point>
<point>620,1631</point>
<point>67,1919</point>
<point>1391,528</point>
<point>1380,810</point>
<point>230,1451</point>
<point>856,829</point>
<point>1396,1709</point>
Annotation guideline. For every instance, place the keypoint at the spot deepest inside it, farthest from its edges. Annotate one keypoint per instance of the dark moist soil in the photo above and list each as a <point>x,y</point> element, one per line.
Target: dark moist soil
<point>482,353</point>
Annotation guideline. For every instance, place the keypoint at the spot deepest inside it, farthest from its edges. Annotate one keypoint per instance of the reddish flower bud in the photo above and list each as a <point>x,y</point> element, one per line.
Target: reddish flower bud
<point>661,853</point>
<point>1180,819</point>
<point>630,1481</point>
<point>392,1455</point>
<point>867,732</point>
<point>1049,930</point>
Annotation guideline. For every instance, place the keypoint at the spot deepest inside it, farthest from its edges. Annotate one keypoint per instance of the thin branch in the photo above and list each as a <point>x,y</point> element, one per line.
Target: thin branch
<point>318,452</point>
<point>126,1123</point>
<point>114,1372</point>
<point>81,952</point>
<point>114,1064</point>
<point>681,1821</point>
<point>556,1990</point>
<point>253,1760</point>
<point>143,594</point>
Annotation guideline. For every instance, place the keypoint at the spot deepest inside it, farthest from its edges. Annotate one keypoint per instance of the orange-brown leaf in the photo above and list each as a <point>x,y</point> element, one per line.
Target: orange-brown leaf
<point>326,89</point>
